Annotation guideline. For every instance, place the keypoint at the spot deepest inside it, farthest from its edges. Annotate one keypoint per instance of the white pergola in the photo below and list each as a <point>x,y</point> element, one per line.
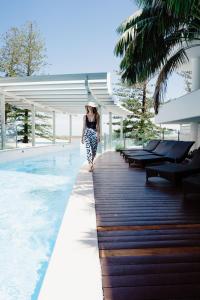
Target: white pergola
<point>66,93</point>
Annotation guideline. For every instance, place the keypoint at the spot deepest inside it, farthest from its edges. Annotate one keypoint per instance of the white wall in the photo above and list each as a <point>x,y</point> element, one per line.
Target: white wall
<point>181,109</point>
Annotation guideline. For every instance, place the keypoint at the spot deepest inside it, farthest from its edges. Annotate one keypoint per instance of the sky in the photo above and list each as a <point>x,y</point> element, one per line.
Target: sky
<point>80,36</point>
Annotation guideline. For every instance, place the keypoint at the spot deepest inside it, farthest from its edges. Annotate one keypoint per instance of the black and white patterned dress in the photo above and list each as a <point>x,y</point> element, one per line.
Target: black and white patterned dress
<point>90,137</point>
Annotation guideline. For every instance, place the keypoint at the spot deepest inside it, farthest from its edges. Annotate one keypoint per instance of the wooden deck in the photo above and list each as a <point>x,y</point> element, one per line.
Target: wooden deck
<point>149,237</point>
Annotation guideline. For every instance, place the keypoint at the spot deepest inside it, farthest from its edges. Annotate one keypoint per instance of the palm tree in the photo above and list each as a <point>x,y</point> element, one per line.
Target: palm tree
<point>155,40</point>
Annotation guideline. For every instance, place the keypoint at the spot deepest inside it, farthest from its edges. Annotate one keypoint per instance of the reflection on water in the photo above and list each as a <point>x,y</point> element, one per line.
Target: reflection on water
<point>33,198</point>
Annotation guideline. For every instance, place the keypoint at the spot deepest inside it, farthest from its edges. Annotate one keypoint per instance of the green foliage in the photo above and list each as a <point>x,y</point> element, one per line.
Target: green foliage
<point>139,125</point>
<point>22,53</point>
<point>33,54</point>
<point>10,52</point>
<point>22,118</point>
<point>119,147</point>
<point>156,39</point>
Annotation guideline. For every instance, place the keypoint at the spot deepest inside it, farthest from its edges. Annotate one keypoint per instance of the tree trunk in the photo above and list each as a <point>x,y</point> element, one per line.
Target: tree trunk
<point>144,97</point>
<point>28,73</point>
<point>25,138</point>
<point>7,111</point>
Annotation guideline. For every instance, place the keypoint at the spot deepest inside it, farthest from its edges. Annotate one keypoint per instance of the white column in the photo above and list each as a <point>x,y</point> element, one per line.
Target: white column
<point>195,86</point>
<point>121,130</point>
<point>195,73</point>
<point>54,127</point>
<point>70,128</point>
<point>3,126</point>
<point>104,142</point>
<point>194,131</point>
<point>33,124</point>
<point>110,130</point>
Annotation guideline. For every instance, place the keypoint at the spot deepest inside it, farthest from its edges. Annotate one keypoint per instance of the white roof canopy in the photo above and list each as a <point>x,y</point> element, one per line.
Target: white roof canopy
<point>67,93</point>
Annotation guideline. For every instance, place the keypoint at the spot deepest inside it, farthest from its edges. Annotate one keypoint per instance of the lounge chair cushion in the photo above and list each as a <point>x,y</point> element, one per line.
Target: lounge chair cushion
<point>162,149</point>
<point>173,171</point>
<point>179,151</point>
<point>148,148</point>
<point>176,151</point>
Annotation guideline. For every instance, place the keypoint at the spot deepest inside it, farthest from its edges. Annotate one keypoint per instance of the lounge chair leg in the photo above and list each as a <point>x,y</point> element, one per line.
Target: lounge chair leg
<point>130,163</point>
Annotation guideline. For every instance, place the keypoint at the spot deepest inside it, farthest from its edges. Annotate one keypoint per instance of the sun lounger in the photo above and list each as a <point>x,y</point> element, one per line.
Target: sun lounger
<point>152,144</point>
<point>161,148</point>
<point>172,152</point>
<point>175,172</point>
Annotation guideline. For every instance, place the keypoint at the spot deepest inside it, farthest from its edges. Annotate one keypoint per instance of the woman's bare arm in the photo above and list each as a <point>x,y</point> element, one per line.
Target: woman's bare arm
<point>84,125</point>
<point>98,128</point>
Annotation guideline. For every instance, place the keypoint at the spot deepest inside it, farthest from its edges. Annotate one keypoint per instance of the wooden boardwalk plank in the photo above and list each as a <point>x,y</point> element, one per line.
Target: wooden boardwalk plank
<point>153,259</point>
<point>163,292</point>
<point>150,279</point>
<point>149,237</point>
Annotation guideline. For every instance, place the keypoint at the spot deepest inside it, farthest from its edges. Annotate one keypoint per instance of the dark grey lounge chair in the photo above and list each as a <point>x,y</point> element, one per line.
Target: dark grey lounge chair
<point>175,172</point>
<point>160,149</point>
<point>152,144</point>
<point>191,185</point>
<point>173,152</point>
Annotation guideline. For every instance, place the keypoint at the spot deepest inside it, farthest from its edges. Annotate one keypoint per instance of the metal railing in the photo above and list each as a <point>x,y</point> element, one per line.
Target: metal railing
<point>126,142</point>
<point>10,136</point>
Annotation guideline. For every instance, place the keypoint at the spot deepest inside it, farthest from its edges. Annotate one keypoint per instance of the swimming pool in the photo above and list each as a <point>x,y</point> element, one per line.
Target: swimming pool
<point>34,195</point>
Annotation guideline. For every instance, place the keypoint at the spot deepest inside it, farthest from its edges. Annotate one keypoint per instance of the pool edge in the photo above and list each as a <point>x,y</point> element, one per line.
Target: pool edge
<point>74,270</point>
<point>8,155</point>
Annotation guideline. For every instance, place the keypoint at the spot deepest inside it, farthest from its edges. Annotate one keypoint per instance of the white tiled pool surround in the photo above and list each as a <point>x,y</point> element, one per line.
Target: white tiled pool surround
<point>74,271</point>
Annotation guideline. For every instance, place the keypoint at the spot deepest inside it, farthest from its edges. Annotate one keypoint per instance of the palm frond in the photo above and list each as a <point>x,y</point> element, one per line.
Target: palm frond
<point>128,23</point>
<point>179,58</point>
<point>139,64</point>
<point>179,8</point>
<point>155,38</point>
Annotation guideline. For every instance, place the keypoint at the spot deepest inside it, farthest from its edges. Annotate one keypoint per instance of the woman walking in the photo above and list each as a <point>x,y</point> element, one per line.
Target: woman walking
<point>91,132</point>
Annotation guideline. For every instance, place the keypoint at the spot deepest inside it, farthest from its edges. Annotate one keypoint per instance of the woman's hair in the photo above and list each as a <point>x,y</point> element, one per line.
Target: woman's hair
<point>95,112</point>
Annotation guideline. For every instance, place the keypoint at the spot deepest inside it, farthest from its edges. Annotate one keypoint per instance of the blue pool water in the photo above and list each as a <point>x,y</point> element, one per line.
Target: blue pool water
<point>34,195</point>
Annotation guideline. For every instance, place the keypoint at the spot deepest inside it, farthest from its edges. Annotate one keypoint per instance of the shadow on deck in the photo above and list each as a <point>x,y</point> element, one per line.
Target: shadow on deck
<point>149,236</point>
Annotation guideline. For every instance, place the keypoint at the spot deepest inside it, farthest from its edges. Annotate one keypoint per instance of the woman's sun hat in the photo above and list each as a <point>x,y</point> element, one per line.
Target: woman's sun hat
<point>91,103</point>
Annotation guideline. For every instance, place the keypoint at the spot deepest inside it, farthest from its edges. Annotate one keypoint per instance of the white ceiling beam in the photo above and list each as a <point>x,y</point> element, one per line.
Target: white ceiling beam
<point>54,93</point>
<point>60,103</point>
<point>51,87</point>
<point>100,76</point>
<point>7,94</point>
<point>61,97</point>
<point>62,93</point>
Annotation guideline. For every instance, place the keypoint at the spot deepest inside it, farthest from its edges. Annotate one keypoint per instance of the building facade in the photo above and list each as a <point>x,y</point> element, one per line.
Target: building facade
<point>185,110</point>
